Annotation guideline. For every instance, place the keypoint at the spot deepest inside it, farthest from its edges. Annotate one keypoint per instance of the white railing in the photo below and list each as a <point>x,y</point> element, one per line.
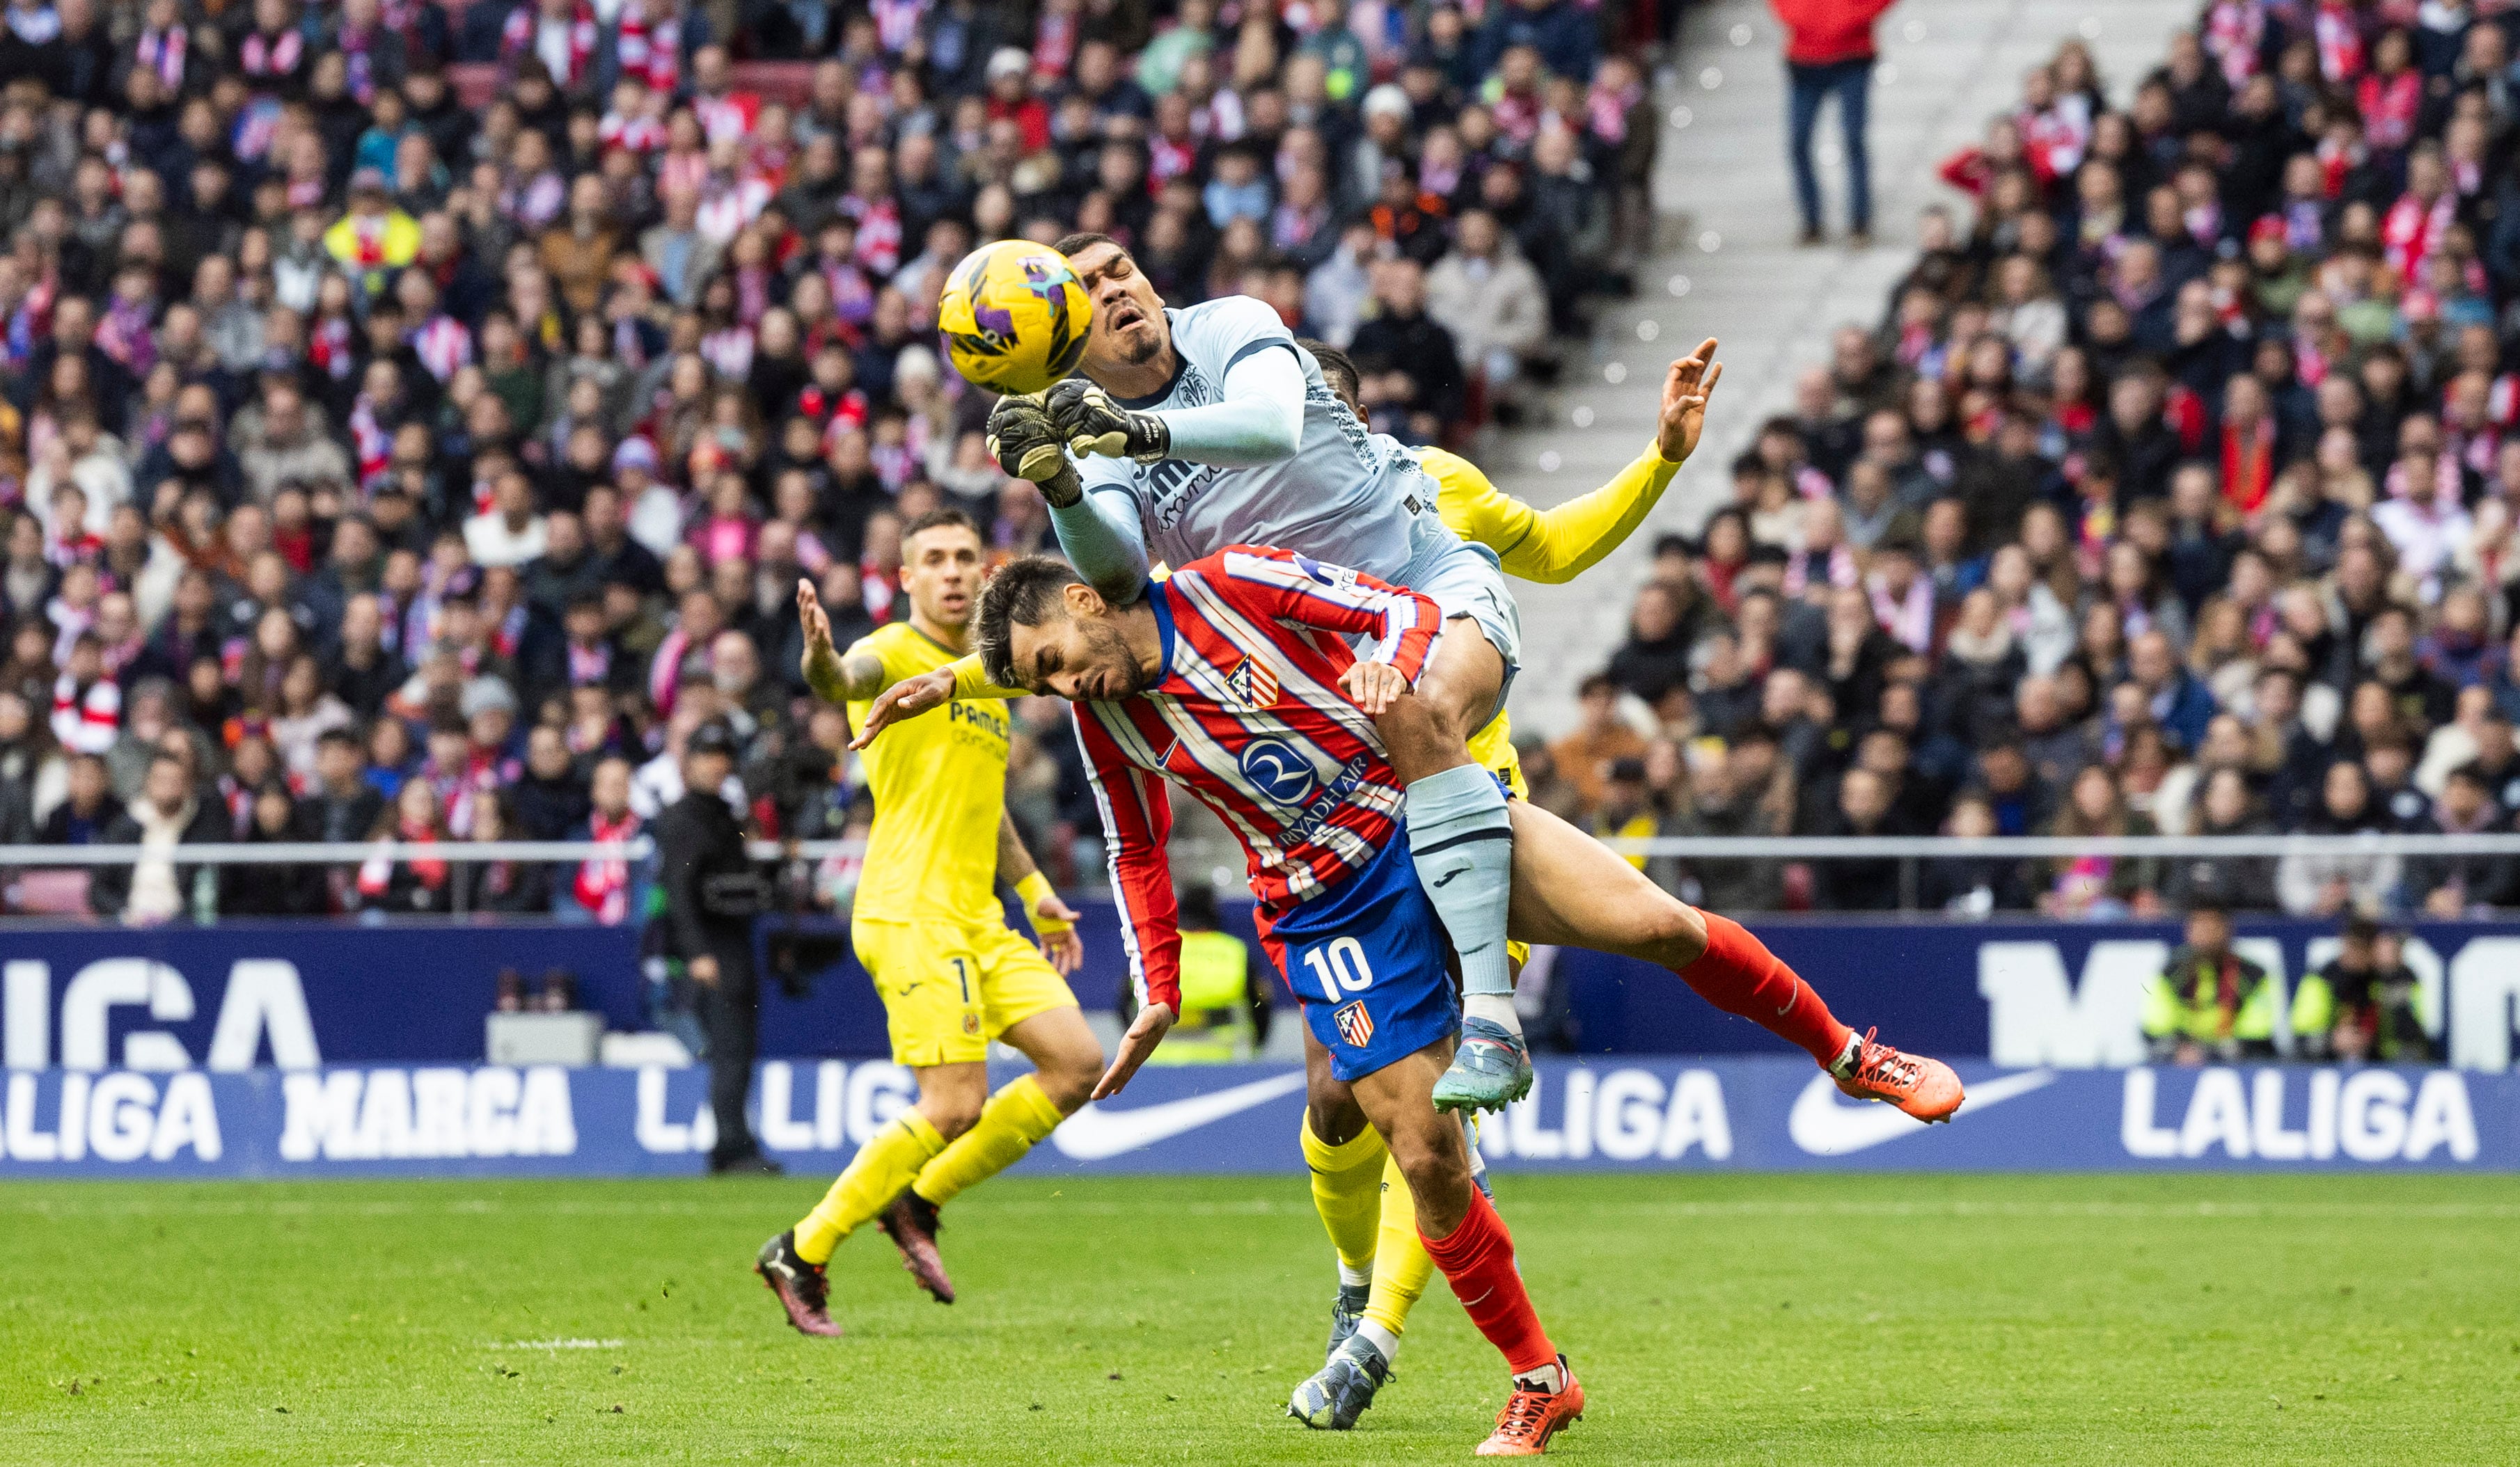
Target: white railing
<point>1914,852</point>
<point>1708,848</point>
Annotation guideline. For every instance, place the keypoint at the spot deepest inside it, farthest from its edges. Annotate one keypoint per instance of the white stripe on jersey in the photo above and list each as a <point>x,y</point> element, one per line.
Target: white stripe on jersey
<point>1320,697</point>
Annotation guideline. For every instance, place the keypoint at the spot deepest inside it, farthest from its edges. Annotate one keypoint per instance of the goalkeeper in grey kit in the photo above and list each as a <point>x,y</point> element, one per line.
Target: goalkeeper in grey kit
<point>1194,429</point>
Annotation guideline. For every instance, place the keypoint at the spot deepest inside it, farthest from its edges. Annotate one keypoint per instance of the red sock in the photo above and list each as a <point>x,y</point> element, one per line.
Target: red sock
<point>1478,1261</point>
<point>1740,975</point>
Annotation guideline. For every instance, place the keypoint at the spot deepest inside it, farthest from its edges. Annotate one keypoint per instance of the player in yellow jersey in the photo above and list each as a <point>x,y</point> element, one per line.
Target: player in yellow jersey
<point>927,924</point>
<point>1362,1200</point>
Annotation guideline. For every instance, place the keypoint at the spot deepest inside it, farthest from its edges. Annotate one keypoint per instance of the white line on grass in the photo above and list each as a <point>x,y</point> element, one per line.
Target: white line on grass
<point>571,1343</point>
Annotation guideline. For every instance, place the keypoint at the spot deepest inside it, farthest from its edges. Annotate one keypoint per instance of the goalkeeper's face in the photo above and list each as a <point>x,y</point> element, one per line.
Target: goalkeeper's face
<point>1129,325</point>
<point>1079,652</point>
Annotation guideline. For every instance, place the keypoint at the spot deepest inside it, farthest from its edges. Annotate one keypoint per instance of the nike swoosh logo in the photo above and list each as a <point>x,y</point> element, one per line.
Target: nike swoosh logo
<point>1822,1124</point>
<point>1449,875</point>
<point>1095,1134</point>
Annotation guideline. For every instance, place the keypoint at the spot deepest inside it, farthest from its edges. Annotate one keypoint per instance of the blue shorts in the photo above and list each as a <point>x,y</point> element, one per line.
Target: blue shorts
<point>1368,960</point>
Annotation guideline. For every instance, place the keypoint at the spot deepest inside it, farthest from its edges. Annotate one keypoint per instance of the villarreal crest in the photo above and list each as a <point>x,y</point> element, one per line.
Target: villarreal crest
<point>1252,685</point>
<point>1355,1025</point>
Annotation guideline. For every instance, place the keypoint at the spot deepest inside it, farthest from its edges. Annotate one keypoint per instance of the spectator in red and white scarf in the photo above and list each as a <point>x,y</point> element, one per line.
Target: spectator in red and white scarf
<point>2420,220</point>
<point>87,706</point>
<point>559,34</point>
<point>649,45</point>
<point>605,889</point>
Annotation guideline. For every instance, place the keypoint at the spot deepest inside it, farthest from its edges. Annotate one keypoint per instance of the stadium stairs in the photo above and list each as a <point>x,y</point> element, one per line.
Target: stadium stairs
<point>1726,265</point>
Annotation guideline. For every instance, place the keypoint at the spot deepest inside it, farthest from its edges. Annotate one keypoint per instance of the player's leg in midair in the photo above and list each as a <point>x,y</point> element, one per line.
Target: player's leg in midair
<point>1462,1232</point>
<point>1571,890</point>
<point>1461,839</point>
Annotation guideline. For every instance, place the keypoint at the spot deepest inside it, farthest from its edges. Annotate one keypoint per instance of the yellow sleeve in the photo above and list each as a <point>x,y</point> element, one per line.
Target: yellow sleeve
<point>970,682</point>
<point>1548,544</point>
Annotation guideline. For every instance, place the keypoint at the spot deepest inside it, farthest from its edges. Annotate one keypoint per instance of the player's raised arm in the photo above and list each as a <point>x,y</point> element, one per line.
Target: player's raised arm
<point>832,678</point>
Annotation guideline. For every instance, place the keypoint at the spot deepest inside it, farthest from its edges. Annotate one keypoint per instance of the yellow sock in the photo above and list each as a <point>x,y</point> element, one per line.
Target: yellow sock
<point>883,1166</point>
<point>1345,1191</point>
<point>1014,1118</point>
<point>1400,1267</point>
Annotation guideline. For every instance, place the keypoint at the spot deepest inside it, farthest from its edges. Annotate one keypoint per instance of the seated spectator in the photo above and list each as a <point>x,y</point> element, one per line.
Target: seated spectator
<point>159,888</point>
<point>2099,886</point>
<point>1600,738</point>
<point>2334,884</point>
<point>494,887</point>
<point>1661,636</point>
<point>1625,812</point>
<point>273,889</point>
<point>2454,886</point>
<point>1401,341</point>
<point>420,884</point>
<point>90,810</point>
<point>1490,298</point>
<point>1865,806</point>
<point>1972,887</point>
<point>609,892</point>
<point>2210,1005</point>
<point>2363,1005</point>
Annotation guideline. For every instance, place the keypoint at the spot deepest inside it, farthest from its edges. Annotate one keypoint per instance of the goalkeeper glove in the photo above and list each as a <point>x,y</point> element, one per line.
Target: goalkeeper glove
<point>1026,444</point>
<point>1093,423</point>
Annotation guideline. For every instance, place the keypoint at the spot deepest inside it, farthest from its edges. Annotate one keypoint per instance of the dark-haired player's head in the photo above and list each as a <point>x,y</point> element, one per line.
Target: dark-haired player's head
<point>1339,371</point>
<point>1130,328</point>
<point>1043,628</point>
<point>941,565</point>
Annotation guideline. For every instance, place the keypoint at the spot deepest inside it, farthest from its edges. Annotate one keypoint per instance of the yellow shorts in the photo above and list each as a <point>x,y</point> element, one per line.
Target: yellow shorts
<point>1493,748</point>
<point>949,988</point>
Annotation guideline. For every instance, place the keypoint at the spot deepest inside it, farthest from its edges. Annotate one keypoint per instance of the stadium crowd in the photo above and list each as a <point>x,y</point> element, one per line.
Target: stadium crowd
<point>381,463</point>
<point>2176,490</point>
<point>377,464</point>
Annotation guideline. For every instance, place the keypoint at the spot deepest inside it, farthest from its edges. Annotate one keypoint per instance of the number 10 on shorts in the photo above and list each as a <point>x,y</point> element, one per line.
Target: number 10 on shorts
<point>1339,966</point>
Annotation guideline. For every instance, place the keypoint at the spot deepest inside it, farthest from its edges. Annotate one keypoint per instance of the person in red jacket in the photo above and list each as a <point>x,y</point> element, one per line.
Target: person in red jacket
<point>1829,48</point>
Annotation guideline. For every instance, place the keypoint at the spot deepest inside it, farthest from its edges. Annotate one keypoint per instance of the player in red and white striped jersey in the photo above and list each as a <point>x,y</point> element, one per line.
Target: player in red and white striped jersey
<point>1234,680</point>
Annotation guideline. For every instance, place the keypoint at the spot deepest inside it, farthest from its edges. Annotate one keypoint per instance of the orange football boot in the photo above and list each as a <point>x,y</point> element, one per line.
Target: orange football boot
<point>1925,1089</point>
<point>1531,1417</point>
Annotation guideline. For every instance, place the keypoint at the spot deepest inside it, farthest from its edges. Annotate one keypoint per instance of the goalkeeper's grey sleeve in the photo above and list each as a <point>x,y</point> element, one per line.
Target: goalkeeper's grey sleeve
<point>1102,538</point>
<point>1260,421</point>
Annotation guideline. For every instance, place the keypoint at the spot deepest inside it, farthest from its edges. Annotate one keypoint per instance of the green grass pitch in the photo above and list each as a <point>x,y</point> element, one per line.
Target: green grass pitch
<point>1714,1319</point>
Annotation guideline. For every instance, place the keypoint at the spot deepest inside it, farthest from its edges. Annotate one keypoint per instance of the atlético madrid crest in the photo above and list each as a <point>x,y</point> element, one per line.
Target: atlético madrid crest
<point>1355,1025</point>
<point>1252,685</point>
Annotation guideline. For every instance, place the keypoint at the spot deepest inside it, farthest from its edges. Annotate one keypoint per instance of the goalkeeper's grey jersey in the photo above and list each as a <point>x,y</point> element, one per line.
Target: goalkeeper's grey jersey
<point>1341,498</point>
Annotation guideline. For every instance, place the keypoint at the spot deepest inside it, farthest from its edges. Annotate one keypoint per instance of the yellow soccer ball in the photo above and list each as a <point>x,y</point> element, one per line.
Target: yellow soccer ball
<point>1014,316</point>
